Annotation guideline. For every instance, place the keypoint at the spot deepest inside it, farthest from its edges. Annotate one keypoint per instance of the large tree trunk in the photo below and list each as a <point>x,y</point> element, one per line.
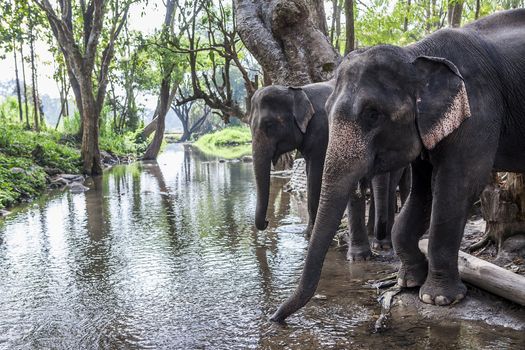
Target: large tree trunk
<point>25,85</point>
<point>18,92</point>
<point>288,39</point>
<point>503,208</point>
<point>152,126</point>
<point>455,9</point>
<point>350,30</point>
<point>90,150</point>
<point>154,147</point>
<point>335,32</point>
<point>478,7</point>
<point>407,13</point>
<point>33,73</point>
<point>164,97</point>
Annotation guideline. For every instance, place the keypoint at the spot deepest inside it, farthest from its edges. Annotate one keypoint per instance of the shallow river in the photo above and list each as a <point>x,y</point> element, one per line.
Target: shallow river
<point>164,255</point>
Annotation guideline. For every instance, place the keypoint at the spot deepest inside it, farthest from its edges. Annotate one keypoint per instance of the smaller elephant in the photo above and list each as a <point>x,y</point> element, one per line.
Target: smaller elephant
<point>284,119</point>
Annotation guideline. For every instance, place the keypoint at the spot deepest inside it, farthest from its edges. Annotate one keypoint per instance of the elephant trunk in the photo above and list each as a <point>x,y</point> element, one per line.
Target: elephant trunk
<point>262,167</point>
<point>346,163</point>
<point>340,177</point>
<point>331,208</point>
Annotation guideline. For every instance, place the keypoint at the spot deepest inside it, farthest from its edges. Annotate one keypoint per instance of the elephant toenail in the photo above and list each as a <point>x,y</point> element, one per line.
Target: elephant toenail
<point>401,282</point>
<point>442,300</point>
<point>459,297</point>
<point>427,299</point>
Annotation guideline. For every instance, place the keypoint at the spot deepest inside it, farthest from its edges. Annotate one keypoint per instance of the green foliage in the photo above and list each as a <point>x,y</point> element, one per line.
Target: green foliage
<point>31,152</point>
<point>35,152</point>
<point>44,148</point>
<point>229,143</point>
<point>232,136</point>
<point>394,22</point>
<point>9,110</point>
<point>122,144</point>
<point>71,125</point>
<point>119,144</point>
<point>24,184</point>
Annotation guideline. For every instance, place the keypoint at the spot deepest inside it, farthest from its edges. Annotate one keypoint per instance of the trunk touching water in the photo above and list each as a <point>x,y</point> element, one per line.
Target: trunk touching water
<point>346,163</point>
<point>331,208</point>
<point>262,167</point>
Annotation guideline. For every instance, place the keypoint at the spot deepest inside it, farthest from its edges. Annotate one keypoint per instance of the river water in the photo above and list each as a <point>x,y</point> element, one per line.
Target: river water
<point>165,255</point>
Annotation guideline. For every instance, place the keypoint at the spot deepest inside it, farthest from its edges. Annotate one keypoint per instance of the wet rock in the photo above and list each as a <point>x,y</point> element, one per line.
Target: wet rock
<point>512,248</point>
<point>247,159</point>
<point>72,177</point>
<point>52,171</point>
<point>319,297</point>
<point>108,159</point>
<point>4,213</point>
<point>477,306</point>
<point>126,159</point>
<point>16,170</point>
<point>77,187</point>
<point>58,182</point>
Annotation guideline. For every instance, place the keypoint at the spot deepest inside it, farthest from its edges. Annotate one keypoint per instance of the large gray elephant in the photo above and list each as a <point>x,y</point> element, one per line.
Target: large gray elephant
<point>453,105</point>
<point>294,118</point>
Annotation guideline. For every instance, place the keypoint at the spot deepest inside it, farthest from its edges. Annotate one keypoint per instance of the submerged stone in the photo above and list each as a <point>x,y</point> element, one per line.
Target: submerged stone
<point>77,187</point>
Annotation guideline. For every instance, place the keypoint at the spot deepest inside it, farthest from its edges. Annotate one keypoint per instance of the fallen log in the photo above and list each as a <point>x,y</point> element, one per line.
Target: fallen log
<point>488,276</point>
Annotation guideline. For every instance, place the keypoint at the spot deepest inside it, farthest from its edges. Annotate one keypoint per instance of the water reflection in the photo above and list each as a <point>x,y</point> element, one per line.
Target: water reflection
<point>164,255</point>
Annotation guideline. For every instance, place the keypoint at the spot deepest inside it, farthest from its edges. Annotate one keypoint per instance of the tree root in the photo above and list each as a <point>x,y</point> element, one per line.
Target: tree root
<point>482,243</point>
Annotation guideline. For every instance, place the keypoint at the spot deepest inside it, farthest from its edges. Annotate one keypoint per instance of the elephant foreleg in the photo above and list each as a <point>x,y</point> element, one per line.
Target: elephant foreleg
<point>314,173</point>
<point>454,194</point>
<point>411,224</point>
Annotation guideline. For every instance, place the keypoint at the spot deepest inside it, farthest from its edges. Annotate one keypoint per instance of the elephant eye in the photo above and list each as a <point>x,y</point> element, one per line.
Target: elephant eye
<point>269,124</point>
<point>371,117</point>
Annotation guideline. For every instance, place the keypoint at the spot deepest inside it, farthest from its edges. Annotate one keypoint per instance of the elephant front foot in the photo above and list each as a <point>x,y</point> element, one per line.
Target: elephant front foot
<point>359,252</point>
<point>414,275</point>
<point>442,292</point>
<point>382,244</point>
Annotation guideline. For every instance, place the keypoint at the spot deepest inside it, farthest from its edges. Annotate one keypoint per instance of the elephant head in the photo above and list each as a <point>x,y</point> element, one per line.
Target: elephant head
<point>279,119</point>
<point>387,106</point>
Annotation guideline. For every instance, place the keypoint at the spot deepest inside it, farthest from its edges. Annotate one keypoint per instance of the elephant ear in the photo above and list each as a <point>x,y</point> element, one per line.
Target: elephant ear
<point>442,101</point>
<point>303,110</point>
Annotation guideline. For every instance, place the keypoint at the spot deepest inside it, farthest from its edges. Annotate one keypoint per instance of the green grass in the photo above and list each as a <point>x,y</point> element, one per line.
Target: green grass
<point>122,144</point>
<point>228,143</point>
<point>23,185</point>
<point>46,148</point>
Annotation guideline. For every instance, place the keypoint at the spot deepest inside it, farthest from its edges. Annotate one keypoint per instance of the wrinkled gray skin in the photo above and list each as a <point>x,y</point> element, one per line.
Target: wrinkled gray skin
<point>289,118</point>
<point>452,105</point>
